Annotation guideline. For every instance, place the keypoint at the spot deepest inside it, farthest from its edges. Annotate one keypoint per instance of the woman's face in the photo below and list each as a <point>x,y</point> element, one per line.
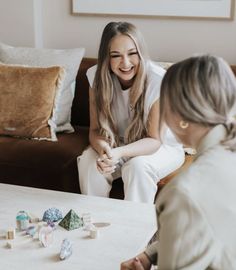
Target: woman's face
<point>124,59</point>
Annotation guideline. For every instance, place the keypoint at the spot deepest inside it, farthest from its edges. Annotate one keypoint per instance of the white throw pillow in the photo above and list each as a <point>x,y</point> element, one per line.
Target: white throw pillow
<point>164,65</point>
<point>69,59</point>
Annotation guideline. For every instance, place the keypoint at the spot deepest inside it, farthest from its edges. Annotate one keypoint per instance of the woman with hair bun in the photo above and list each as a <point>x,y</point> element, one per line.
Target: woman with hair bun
<point>196,211</point>
<point>124,117</point>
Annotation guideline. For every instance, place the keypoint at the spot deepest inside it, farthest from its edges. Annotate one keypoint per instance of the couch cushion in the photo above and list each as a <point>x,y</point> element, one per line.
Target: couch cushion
<point>27,97</point>
<point>70,59</point>
<point>80,108</point>
<point>43,164</point>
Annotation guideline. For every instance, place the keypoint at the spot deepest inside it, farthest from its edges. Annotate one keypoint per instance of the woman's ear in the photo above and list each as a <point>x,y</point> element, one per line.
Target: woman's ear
<point>183,124</point>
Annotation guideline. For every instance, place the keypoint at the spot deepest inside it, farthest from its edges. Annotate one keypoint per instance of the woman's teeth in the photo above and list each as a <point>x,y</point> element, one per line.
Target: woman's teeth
<point>126,70</point>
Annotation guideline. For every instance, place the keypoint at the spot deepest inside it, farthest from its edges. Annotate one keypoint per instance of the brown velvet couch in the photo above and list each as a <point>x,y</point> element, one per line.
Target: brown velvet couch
<point>53,165</point>
<point>45,164</point>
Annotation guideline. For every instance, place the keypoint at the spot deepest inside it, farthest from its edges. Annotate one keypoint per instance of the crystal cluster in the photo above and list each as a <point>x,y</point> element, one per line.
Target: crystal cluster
<point>66,249</point>
<point>22,220</point>
<point>52,215</point>
<point>46,235</point>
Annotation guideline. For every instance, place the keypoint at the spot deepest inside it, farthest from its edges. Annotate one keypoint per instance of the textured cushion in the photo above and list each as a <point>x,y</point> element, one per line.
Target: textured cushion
<point>27,96</point>
<point>69,59</point>
<point>164,65</point>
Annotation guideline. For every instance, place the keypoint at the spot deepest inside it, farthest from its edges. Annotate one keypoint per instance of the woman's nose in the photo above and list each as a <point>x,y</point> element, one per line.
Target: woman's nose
<point>125,61</point>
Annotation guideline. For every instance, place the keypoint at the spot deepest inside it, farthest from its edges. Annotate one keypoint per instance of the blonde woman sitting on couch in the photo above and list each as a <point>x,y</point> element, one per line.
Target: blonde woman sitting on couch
<point>124,114</point>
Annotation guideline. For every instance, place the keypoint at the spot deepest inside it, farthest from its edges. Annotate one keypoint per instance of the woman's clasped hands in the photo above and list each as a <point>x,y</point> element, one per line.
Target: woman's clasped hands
<point>108,158</point>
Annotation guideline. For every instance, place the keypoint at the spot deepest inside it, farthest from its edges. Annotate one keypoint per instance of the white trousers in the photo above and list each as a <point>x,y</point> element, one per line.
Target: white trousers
<point>140,174</point>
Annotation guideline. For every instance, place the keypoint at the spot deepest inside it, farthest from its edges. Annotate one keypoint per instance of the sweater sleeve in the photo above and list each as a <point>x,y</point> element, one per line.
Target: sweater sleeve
<point>185,238</point>
<point>151,252</point>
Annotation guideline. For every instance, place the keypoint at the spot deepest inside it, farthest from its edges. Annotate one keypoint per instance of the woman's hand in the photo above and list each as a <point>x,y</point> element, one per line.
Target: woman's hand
<point>103,148</point>
<point>107,162</point>
<point>141,262</point>
<point>104,162</point>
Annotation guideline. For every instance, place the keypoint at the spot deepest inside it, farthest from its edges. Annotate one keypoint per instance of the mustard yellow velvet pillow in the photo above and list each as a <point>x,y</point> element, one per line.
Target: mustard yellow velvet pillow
<point>27,96</point>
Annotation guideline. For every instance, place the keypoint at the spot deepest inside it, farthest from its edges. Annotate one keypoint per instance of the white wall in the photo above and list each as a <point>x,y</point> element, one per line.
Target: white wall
<point>167,39</point>
<point>16,22</point>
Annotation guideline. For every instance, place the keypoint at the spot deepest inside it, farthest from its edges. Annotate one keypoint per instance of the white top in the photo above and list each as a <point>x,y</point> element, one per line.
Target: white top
<point>121,106</point>
<point>197,211</point>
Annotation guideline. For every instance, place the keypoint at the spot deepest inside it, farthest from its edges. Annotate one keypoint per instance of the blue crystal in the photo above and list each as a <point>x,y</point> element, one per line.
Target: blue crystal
<point>66,249</point>
<point>52,215</point>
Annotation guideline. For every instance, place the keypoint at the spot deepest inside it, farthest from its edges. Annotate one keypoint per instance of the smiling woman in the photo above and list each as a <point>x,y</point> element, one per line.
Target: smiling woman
<point>124,60</point>
<point>124,111</point>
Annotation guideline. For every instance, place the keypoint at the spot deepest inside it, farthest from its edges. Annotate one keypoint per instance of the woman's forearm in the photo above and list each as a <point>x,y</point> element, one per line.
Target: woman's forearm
<point>97,142</point>
<point>145,146</point>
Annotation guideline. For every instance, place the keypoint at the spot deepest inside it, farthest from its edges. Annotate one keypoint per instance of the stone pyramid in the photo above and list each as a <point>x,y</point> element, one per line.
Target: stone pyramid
<point>71,221</point>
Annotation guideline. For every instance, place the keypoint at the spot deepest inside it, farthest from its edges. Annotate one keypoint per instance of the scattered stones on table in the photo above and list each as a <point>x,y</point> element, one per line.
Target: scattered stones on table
<point>94,233</point>
<point>22,220</point>
<point>52,214</point>
<point>86,218</point>
<point>31,230</point>
<point>11,234</point>
<point>66,249</point>
<point>33,218</point>
<point>89,227</point>
<point>71,221</point>
<point>46,236</point>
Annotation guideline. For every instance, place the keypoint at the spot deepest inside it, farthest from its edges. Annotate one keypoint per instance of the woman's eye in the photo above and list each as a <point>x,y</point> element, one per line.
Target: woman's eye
<point>115,56</point>
<point>133,53</point>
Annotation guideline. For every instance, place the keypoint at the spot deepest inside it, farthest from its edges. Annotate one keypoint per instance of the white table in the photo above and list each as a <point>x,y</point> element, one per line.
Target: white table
<point>132,226</point>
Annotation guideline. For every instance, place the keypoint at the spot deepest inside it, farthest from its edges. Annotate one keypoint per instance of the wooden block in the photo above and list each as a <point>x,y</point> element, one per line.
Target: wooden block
<point>94,233</point>
<point>33,218</point>
<point>11,234</point>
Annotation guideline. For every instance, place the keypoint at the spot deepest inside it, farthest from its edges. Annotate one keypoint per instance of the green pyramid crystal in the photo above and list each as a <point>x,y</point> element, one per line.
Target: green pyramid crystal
<point>71,221</point>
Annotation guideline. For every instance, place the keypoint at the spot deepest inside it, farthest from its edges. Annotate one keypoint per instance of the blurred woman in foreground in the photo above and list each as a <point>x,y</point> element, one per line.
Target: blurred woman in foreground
<point>197,210</point>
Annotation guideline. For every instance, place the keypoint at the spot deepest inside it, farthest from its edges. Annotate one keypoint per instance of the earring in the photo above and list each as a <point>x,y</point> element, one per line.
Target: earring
<point>183,124</point>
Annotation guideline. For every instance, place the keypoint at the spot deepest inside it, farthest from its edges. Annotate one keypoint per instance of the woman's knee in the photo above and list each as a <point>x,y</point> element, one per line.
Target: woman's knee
<point>137,165</point>
<point>87,158</point>
<point>87,165</point>
<point>89,153</point>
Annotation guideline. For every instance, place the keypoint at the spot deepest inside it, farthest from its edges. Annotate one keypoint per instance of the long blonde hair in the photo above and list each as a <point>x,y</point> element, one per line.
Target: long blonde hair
<point>202,90</point>
<point>104,89</point>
